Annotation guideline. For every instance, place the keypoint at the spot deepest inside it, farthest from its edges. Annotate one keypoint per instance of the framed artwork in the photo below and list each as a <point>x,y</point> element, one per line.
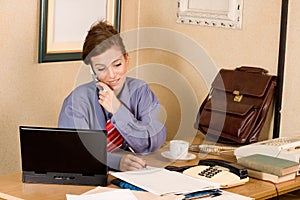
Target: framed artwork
<point>65,23</point>
<point>215,13</point>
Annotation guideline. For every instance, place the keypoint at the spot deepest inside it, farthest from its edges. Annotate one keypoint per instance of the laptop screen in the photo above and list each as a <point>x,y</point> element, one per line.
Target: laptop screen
<point>63,156</point>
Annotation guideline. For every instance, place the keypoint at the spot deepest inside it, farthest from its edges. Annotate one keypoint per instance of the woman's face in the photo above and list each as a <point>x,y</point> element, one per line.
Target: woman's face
<point>110,67</point>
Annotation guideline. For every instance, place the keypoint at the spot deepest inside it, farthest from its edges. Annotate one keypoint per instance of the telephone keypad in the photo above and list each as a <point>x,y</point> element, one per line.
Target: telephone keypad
<point>210,171</point>
<point>217,174</point>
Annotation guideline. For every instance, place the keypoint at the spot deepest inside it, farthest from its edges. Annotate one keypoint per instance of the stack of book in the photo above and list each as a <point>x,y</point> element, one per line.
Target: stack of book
<point>269,168</point>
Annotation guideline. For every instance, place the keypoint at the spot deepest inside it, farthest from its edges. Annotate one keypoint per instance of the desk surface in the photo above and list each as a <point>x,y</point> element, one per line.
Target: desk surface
<point>11,184</point>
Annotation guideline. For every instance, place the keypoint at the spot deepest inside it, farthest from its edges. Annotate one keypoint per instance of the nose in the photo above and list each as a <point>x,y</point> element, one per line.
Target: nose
<point>111,72</point>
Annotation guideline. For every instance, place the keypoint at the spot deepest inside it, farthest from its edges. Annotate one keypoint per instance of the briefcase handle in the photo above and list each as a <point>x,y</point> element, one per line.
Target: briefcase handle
<point>252,69</point>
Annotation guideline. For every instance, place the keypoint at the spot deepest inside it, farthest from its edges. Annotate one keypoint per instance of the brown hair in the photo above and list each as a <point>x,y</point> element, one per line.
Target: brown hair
<point>101,37</point>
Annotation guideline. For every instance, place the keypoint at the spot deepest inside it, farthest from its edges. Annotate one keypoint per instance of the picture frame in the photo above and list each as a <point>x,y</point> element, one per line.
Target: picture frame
<point>64,23</point>
<point>215,13</point>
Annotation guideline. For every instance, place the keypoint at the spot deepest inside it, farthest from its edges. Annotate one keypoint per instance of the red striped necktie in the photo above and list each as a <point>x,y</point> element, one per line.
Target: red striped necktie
<point>114,138</point>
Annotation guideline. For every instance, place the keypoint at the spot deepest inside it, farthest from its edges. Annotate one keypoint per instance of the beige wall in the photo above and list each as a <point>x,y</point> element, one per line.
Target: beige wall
<point>291,97</point>
<point>32,93</point>
<point>256,44</point>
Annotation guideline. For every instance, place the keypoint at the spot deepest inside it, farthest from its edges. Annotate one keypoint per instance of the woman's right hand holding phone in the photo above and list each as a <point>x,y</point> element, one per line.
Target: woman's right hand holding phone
<point>108,99</point>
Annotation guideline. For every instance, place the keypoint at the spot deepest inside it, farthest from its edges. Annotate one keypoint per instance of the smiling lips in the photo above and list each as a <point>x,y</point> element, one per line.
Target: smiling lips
<point>113,82</point>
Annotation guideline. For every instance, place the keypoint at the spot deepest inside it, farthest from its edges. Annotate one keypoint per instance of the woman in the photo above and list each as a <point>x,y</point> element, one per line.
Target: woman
<point>126,103</point>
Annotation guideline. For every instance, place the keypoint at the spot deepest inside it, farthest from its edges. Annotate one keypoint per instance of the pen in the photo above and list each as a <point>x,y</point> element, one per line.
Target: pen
<point>132,151</point>
<point>125,185</point>
<point>205,193</point>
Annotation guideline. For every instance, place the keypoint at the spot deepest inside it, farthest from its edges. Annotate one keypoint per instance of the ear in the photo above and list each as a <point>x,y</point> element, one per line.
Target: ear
<point>126,58</point>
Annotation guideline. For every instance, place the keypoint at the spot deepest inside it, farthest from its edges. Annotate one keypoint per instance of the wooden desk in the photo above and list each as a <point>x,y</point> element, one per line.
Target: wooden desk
<point>255,188</point>
<point>12,185</point>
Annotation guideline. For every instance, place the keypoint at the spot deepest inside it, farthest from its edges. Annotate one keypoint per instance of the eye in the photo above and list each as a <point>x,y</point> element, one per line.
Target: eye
<point>100,69</point>
<point>118,64</point>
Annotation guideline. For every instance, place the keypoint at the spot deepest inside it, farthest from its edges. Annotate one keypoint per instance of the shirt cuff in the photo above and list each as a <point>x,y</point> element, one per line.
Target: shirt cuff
<point>113,160</point>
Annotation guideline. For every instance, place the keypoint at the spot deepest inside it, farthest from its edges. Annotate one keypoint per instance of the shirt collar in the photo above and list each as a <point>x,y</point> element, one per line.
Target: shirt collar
<point>124,95</point>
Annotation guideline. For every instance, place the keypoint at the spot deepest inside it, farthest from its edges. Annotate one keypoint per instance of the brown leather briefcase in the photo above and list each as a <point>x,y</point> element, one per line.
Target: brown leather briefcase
<point>236,107</point>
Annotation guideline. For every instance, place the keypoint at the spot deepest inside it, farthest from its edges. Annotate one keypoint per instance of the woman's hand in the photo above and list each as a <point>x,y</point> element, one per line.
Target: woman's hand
<point>108,99</point>
<point>130,162</point>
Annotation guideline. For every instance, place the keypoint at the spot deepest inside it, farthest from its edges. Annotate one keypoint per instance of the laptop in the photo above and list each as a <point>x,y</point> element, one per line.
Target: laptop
<point>63,156</point>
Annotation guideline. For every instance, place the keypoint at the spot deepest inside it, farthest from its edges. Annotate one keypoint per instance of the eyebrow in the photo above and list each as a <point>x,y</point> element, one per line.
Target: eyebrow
<point>103,65</point>
<point>99,64</point>
<point>118,59</point>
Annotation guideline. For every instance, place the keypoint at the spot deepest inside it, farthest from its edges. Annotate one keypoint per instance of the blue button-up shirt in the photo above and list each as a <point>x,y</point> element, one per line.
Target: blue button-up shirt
<point>136,120</point>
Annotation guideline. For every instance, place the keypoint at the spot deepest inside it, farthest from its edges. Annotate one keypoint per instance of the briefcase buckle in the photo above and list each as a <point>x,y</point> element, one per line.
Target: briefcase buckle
<point>238,97</point>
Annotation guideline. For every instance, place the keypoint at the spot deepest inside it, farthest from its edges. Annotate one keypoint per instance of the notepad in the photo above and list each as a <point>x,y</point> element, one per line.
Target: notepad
<point>161,181</point>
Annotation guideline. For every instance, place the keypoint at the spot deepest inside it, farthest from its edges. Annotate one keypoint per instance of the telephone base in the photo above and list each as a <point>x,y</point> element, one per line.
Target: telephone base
<point>216,174</point>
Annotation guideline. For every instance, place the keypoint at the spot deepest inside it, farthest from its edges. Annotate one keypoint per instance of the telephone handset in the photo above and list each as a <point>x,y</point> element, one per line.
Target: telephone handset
<point>225,173</point>
<point>95,79</point>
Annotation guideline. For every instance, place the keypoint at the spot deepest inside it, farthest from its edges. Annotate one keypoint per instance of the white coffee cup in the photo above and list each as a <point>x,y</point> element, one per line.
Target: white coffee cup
<point>179,148</point>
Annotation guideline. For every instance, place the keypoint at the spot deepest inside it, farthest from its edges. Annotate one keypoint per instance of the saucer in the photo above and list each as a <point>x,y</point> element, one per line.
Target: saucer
<point>167,154</point>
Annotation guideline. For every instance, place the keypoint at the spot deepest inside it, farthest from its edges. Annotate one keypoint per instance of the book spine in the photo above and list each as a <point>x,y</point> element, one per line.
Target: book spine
<point>270,177</point>
<point>263,176</point>
<point>264,167</point>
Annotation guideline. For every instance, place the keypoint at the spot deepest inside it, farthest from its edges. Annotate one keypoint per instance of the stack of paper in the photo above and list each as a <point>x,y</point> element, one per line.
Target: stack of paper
<point>161,181</point>
<point>100,193</point>
<point>106,193</point>
<point>111,195</point>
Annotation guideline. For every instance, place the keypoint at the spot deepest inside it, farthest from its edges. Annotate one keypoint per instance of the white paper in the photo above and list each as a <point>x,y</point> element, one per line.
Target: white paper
<point>110,195</point>
<point>139,194</point>
<point>6,196</point>
<point>161,181</point>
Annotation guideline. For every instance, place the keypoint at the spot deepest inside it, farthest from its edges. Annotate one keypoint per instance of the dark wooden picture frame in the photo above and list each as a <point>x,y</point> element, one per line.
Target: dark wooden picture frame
<point>113,14</point>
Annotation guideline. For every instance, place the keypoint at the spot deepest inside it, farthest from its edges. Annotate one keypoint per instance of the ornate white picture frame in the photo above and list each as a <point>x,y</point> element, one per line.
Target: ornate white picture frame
<point>216,13</point>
